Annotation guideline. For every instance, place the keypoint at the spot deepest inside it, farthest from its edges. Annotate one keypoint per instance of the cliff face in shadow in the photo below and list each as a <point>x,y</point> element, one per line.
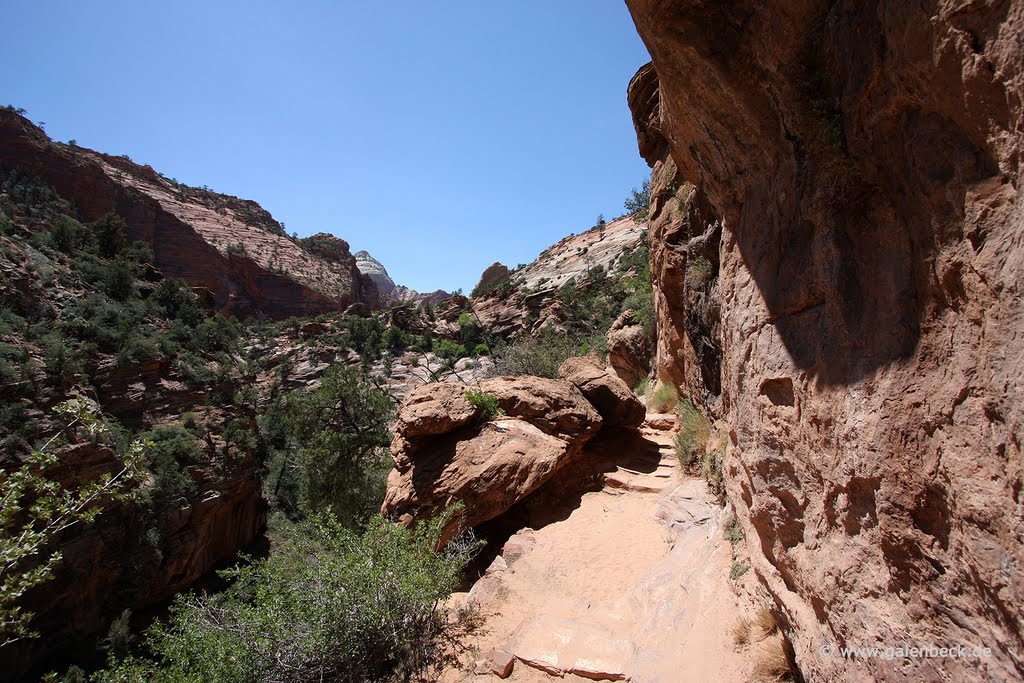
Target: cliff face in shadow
<point>842,283</point>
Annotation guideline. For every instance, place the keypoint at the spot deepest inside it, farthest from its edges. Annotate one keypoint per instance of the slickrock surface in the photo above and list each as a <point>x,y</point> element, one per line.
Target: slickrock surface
<point>533,301</point>
<point>627,583</point>
<point>842,283</point>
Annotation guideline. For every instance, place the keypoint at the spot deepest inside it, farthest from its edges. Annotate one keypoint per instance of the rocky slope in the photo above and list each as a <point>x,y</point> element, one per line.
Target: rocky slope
<point>525,299</point>
<point>230,246</point>
<point>842,283</point>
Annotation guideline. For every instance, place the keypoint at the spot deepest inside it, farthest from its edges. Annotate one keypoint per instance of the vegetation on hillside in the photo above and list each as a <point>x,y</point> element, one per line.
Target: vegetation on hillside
<point>83,310</point>
<point>80,308</point>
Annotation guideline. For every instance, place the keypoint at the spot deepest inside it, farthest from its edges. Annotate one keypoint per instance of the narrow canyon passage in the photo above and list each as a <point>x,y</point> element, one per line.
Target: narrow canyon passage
<point>632,583</point>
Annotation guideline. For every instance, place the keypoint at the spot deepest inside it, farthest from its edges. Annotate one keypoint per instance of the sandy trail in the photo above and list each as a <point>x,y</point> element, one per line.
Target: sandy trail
<point>632,585</point>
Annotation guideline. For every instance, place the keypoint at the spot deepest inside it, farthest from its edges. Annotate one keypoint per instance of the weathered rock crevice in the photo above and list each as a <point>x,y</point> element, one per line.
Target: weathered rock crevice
<point>861,163</point>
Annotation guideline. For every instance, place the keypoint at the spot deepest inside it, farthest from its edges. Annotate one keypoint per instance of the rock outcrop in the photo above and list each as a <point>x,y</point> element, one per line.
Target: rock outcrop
<point>229,246</point>
<point>618,406</point>
<point>531,301</point>
<point>445,451</point>
<point>842,284</point>
<point>370,266</point>
<point>629,353</point>
<point>389,291</point>
<point>493,275</point>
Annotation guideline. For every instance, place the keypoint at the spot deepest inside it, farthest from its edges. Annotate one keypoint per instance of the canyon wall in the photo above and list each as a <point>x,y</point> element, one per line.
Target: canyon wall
<point>842,283</point>
<point>230,246</point>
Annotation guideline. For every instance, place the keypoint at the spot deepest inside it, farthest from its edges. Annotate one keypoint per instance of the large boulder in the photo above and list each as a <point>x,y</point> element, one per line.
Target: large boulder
<point>555,406</point>
<point>436,408</point>
<point>488,470</point>
<point>629,350</point>
<point>445,451</point>
<point>618,406</point>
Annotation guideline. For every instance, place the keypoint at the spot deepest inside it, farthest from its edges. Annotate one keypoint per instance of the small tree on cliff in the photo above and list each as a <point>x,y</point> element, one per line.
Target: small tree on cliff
<point>35,509</point>
<point>638,205</point>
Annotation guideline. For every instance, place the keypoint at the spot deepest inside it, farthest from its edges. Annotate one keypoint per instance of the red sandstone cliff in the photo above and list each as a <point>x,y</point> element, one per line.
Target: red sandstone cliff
<point>230,246</point>
<point>857,316</point>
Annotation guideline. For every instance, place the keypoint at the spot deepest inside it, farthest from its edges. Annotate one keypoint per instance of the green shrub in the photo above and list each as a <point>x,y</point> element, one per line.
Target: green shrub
<point>62,361</point>
<point>68,235</point>
<point>171,450</point>
<point>664,398</point>
<point>694,431</point>
<point>328,447</point>
<point>738,569</point>
<point>731,530</point>
<point>540,356</point>
<point>643,387</point>
<point>449,350</point>
<point>486,404</point>
<point>329,605</point>
<point>109,230</point>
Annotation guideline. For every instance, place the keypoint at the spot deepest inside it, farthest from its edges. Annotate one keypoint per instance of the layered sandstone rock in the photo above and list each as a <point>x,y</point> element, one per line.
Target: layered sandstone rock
<point>532,302</point>
<point>618,406</point>
<point>629,352</point>
<point>229,246</point>
<point>128,560</point>
<point>444,452</point>
<point>856,170</point>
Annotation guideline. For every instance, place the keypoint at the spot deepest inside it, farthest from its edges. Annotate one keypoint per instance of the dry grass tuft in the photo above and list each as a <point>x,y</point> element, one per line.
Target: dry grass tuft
<point>772,661</point>
<point>664,398</point>
<point>764,623</point>
<point>741,634</point>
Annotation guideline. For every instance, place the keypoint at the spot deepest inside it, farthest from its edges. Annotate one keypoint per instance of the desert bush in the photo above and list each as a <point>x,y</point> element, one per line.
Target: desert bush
<point>330,604</point>
<point>664,397</point>
<point>486,404</point>
<point>540,356</point>
<point>731,530</point>
<point>694,432</point>
<point>699,271</point>
<point>328,447</point>
<point>738,569</point>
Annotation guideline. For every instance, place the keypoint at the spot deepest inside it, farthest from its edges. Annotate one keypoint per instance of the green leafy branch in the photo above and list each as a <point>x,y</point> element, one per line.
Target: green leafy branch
<point>35,509</point>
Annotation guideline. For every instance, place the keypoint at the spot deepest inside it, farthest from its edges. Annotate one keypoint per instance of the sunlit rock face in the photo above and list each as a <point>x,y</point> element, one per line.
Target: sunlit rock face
<point>229,246</point>
<point>856,316</point>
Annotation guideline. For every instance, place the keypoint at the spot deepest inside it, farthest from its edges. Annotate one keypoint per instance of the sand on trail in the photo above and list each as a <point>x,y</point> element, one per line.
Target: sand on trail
<point>631,583</point>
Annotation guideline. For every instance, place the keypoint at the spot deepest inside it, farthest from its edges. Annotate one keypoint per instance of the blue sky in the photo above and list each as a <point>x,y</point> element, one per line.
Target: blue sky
<point>439,136</point>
